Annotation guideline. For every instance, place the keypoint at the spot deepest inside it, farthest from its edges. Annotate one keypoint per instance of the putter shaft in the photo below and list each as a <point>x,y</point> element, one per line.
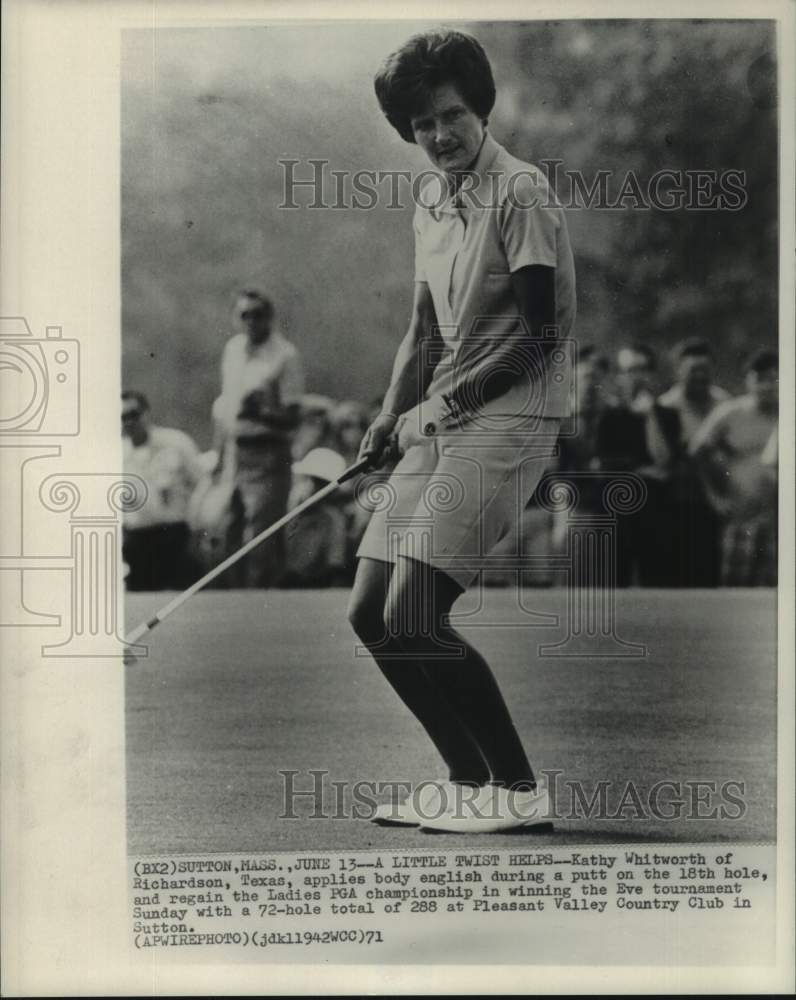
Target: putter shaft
<point>180,599</point>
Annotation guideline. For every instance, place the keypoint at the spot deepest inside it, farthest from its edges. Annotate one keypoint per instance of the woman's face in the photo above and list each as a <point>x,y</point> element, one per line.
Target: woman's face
<point>447,130</point>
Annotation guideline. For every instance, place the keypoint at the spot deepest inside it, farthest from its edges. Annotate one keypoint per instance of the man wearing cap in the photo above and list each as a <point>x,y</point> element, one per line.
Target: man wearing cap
<point>316,540</point>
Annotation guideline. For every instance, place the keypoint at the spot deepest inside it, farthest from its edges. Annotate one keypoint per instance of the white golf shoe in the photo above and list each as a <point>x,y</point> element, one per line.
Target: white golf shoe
<point>494,810</point>
<point>427,802</point>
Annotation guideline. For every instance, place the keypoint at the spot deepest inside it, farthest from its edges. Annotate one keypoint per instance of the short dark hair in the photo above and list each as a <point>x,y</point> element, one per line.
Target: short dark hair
<point>429,60</point>
<point>257,296</point>
<point>692,347</point>
<point>763,360</point>
<point>139,397</point>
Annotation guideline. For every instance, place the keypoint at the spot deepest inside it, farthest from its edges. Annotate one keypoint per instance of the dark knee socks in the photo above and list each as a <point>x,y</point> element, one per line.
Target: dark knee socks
<point>424,699</point>
<point>469,686</point>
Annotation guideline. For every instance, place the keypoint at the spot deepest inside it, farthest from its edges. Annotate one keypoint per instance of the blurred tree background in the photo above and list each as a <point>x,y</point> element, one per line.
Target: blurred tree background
<point>208,113</point>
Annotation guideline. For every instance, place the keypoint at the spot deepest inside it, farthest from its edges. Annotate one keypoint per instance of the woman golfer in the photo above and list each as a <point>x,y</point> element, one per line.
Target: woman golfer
<point>478,388</point>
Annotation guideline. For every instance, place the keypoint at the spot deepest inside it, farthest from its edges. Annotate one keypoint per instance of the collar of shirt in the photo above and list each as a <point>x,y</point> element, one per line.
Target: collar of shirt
<point>470,191</point>
<point>676,396</point>
<point>274,344</point>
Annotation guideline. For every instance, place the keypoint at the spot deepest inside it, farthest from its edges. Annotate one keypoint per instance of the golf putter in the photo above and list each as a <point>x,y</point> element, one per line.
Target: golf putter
<point>145,627</point>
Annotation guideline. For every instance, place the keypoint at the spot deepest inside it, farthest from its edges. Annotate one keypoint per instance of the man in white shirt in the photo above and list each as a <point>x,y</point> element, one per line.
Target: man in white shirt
<point>156,536</point>
<point>694,394</point>
<point>261,385</point>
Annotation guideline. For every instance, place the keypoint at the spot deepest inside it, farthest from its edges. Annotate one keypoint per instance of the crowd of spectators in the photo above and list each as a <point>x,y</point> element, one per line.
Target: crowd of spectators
<point>708,462</point>
<point>710,514</point>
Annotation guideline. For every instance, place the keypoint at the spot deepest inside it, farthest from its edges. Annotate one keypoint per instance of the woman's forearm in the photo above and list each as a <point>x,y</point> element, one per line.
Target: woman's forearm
<point>412,369</point>
<point>405,384</point>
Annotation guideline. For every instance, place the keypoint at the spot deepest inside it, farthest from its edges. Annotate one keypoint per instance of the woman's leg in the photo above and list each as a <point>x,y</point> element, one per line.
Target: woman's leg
<point>409,678</point>
<point>420,594</point>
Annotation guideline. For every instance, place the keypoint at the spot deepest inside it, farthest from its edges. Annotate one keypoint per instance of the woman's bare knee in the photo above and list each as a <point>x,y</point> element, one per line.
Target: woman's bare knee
<point>366,604</point>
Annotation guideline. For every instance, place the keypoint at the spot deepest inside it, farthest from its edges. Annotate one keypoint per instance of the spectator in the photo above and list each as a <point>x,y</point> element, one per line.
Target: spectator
<point>213,517</point>
<point>734,451</point>
<point>316,540</point>
<point>156,537</point>
<point>315,425</point>
<point>639,435</point>
<point>694,394</point>
<point>697,529</point>
<point>579,452</point>
<point>349,421</point>
<point>255,415</point>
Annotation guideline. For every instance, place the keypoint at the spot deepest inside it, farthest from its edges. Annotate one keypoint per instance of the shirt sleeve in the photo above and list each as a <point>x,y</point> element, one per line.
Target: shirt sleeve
<point>710,432</point>
<point>291,382</point>
<point>226,405</point>
<point>191,460</point>
<point>530,223</point>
